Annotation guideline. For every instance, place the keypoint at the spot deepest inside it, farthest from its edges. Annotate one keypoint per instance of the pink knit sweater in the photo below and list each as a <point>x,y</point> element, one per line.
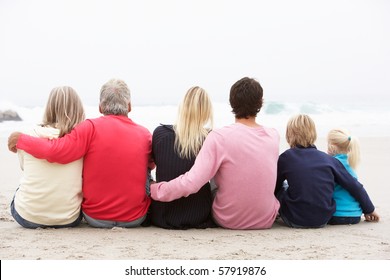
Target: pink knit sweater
<point>243,161</point>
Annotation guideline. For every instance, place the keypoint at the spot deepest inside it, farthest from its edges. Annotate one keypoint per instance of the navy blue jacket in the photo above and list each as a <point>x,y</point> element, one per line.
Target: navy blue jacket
<point>311,176</point>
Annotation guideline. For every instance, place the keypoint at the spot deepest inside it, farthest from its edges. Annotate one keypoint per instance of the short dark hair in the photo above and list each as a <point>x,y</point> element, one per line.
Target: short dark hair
<point>246,98</point>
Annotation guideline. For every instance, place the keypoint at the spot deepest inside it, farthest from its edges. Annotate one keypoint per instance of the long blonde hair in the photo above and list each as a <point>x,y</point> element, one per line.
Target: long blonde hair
<point>64,110</point>
<point>301,131</point>
<point>340,141</point>
<point>195,112</point>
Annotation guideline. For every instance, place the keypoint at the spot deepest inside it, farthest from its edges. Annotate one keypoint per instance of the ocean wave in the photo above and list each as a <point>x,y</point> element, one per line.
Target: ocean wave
<point>363,121</point>
<point>275,108</point>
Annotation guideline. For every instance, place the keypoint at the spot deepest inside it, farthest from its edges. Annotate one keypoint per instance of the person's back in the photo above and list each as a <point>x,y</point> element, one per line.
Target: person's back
<point>193,211</point>
<point>50,194</point>
<point>175,148</point>
<point>242,159</point>
<point>246,175</point>
<point>306,201</point>
<point>345,149</point>
<point>115,169</point>
<point>117,155</point>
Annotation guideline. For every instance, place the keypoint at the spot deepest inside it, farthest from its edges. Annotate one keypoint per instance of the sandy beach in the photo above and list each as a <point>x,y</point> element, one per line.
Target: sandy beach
<point>365,241</point>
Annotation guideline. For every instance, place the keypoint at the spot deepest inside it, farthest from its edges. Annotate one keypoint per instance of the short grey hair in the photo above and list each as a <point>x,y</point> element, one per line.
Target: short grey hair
<point>114,98</point>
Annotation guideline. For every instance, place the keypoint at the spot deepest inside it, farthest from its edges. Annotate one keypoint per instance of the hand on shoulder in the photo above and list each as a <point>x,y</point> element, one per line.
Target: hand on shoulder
<point>13,140</point>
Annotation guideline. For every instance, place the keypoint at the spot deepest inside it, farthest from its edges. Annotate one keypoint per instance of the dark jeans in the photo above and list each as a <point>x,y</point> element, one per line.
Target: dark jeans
<point>344,220</point>
<point>27,224</point>
<point>292,225</point>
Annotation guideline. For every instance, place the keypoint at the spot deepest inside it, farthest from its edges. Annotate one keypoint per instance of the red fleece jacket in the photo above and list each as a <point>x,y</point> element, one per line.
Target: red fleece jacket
<point>117,153</point>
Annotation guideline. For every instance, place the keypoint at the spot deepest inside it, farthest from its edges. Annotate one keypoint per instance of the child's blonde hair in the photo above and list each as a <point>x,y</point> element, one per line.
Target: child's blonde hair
<point>301,131</point>
<point>64,110</point>
<point>195,112</point>
<point>340,141</point>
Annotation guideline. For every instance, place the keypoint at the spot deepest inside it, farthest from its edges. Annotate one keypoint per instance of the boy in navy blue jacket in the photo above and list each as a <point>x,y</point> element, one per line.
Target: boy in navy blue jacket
<point>306,201</point>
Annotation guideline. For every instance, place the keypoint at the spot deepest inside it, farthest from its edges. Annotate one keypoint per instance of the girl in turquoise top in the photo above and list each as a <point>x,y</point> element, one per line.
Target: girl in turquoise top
<point>346,149</point>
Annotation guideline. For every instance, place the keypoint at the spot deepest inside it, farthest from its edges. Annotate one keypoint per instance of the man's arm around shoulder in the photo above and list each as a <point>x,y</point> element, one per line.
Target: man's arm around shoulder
<point>63,150</point>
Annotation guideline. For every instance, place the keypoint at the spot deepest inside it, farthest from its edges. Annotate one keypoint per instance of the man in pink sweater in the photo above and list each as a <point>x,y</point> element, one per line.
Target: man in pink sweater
<point>242,159</point>
<point>117,154</point>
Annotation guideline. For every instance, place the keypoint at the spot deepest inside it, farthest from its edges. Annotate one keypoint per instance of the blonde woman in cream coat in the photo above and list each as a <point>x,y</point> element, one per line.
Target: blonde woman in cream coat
<point>50,194</point>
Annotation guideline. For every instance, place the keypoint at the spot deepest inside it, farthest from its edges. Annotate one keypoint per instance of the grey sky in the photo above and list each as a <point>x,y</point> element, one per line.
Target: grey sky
<point>311,50</point>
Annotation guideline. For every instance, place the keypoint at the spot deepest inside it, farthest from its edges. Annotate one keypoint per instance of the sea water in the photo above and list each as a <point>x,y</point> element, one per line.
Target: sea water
<point>360,120</point>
